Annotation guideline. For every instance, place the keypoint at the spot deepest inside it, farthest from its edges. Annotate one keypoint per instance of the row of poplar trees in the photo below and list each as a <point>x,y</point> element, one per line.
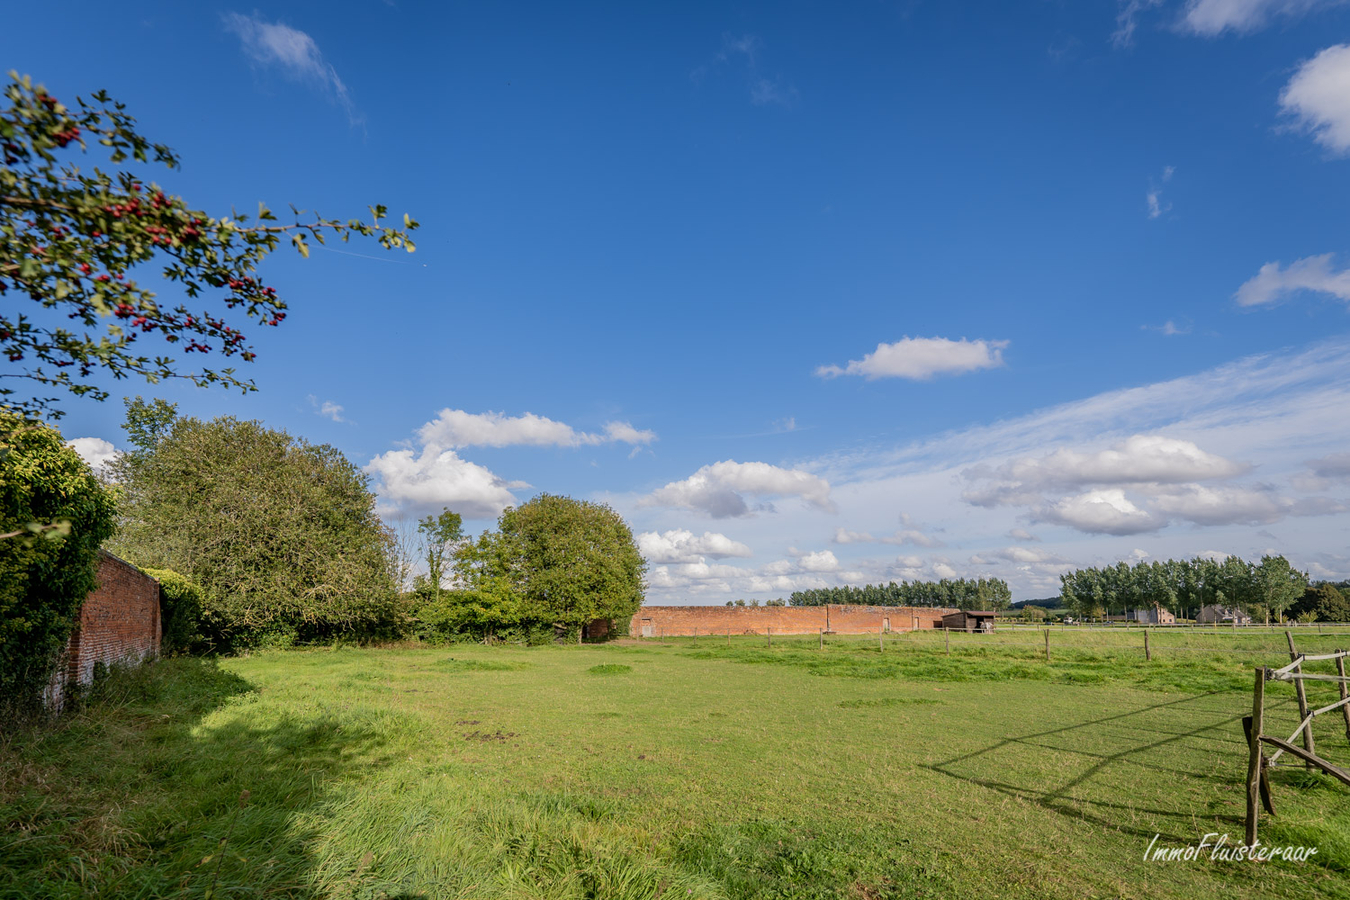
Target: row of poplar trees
<point>965,593</point>
<point>1183,587</point>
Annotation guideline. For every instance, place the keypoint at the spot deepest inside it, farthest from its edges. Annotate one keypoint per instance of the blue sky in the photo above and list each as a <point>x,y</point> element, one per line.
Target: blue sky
<point>812,293</point>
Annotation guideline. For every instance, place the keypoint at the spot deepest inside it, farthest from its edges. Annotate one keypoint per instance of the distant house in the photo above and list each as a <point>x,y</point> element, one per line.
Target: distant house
<point>969,620</point>
<point>1155,616</point>
<point>1215,614</point>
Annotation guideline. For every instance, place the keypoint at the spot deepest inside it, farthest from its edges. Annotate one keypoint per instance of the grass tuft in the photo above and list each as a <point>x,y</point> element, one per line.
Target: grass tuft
<point>609,669</point>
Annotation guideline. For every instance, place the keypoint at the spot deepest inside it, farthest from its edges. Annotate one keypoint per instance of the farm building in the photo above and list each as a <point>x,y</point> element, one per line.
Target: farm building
<point>1155,616</point>
<point>969,620</point>
<point>119,623</point>
<point>1215,614</point>
<point>672,621</point>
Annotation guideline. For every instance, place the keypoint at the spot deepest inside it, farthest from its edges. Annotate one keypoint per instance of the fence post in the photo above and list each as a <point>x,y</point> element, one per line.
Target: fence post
<point>1302,693</point>
<point>1254,756</point>
<point>1148,654</point>
<point>822,638</point>
<point>881,640</point>
<point>1345,710</point>
<point>947,632</point>
<point>1047,645</point>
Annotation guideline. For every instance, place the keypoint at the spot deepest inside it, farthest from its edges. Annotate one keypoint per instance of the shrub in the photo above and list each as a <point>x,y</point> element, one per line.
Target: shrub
<point>180,605</point>
<point>44,577</point>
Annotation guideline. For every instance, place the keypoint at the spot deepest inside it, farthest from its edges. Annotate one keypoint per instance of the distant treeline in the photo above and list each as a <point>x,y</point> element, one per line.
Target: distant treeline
<point>1184,586</point>
<point>966,593</point>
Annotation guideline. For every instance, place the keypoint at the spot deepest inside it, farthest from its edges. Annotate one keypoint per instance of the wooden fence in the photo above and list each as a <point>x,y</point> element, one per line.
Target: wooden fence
<point>1258,782</point>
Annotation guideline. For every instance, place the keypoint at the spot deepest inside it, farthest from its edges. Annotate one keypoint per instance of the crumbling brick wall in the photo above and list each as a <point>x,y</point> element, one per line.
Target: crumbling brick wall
<point>655,621</point>
<point>119,622</point>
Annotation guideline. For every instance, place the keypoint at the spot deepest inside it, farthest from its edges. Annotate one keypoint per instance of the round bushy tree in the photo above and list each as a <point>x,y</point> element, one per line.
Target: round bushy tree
<point>280,535</point>
<point>54,514</point>
<point>573,561</point>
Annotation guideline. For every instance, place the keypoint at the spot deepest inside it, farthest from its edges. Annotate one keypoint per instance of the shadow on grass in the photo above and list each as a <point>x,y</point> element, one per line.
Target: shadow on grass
<point>1137,747</point>
<point>139,794</point>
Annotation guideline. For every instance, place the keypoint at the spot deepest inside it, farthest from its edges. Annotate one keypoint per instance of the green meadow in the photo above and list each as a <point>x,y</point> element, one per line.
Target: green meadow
<point>677,769</point>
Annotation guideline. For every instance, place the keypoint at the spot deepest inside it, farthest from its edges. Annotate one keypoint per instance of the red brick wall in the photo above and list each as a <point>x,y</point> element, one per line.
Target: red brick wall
<point>688,620</point>
<point>119,622</point>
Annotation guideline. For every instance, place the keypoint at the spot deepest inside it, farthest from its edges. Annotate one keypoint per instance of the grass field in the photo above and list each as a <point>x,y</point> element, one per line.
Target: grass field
<point>673,769</point>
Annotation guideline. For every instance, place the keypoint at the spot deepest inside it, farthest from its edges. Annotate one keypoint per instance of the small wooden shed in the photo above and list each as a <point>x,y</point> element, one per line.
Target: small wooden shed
<point>972,620</point>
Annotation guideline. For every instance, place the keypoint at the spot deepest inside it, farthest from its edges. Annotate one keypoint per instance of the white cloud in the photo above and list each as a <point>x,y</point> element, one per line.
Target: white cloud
<point>681,546</point>
<point>899,538</point>
<point>748,50</point>
<point>1139,459</point>
<point>328,409</point>
<point>1021,534</point>
<point>1213,17</point>
<point>1318,98</point>
<point>457,428</point>
<point>920,359</point>
<point>1106,511</point>
<point>1127,20</point>
<point>292,51</point>
<point>1018,555</point>
<point>1169,328</point>
<point>819,561</point>
<point>437,477</point>
<point>1312,273</point>
<point>1238,505</point>
<point>720,489</point>
<point>95,451</point>
<point>1156,206</point>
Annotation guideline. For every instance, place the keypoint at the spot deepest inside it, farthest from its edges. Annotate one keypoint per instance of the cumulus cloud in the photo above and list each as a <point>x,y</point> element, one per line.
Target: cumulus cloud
<point>457,428</point>
<point>437,477</point>
<point>920,359</point>
<point>1333,466</point>
<point>1318,98</point>
<point>720,489</point>
<point>1106,511</point>
<point>1021,534</point>
<point>1238,505</point>
<point>680,546</point>
<point>1213,17</point>
<point>819,561</point>
<point>95,451</point>
<point>1140,459</point>
<point>1312,273</point>
<point>293,52</point>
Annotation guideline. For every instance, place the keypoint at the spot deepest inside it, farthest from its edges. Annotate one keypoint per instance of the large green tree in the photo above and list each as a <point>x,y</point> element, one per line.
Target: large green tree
<point>72,241</point>
<point>575,561</point>
<point>45,574</point>
<point>280,535</point>
<point>554,564</point>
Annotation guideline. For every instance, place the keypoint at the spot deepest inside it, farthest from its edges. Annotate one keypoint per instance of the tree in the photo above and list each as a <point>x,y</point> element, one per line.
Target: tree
<point>71,240</point>
<point>1322,603</point>
<point>280,535</point>
<point>43,581</point>
<point>1276,584</point>
<point>439,535</point>
<point>574,561</point>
